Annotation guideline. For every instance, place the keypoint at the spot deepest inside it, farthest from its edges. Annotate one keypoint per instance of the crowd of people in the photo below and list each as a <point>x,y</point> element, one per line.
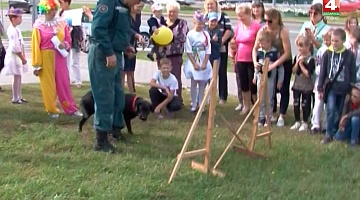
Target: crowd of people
<point>325,70</point>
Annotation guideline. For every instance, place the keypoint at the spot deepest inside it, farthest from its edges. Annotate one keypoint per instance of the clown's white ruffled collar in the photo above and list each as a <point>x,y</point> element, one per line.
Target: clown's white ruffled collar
<point>53,22</point>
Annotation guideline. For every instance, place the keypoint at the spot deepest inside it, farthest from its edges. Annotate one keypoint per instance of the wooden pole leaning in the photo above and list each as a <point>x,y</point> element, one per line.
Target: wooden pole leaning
<point>210,90</point>
<point>249,149</point>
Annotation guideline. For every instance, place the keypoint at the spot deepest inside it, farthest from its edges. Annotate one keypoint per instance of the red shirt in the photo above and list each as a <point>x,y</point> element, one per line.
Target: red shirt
<point>354,106</point>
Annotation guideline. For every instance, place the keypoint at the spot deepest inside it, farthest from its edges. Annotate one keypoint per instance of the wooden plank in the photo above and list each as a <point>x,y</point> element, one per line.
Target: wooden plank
<point>263,134</point>
<point>199,167</point>
<point>189,136</point>
<point>191,154</point>
<point>211,117</point>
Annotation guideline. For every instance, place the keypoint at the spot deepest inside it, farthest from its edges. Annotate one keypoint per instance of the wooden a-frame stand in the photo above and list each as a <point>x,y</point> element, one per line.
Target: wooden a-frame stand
<point>246,149</point>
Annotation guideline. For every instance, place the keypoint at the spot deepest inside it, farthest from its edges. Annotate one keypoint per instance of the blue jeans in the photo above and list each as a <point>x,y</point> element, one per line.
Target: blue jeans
<point>351,131</point>
<point>334,107</point>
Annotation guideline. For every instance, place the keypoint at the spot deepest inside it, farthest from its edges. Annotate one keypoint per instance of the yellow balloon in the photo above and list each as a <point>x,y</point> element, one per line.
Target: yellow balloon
<point>163,37</point>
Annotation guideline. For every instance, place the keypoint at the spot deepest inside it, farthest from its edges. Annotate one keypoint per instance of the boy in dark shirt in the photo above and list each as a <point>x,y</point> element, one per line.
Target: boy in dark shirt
<point>213,28</point>
<point>303,68</point>
<point>339,71</point>
<point>155,22</point>
<point>215,34</point>
<point>266,50</point>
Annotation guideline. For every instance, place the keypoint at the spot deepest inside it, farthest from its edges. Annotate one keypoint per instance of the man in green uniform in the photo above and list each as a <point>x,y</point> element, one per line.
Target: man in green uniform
<point>110,39</point>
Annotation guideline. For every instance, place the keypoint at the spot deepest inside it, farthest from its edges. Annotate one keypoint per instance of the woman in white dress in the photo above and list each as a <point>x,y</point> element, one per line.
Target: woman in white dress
<point>198,67</point>
<point>15,61</point>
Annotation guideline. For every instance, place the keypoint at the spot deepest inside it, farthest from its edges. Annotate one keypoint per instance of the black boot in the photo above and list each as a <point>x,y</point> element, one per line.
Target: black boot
<point>117,135</point>
<point>102,143</point>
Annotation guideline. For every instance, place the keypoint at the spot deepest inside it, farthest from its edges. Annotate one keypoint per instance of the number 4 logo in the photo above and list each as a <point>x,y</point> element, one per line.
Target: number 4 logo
<point>331,7</point>
<point>331,4</point>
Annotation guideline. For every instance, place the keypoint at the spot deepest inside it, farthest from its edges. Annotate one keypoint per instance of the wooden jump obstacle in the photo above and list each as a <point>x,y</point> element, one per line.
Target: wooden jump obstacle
<point>243,148</point>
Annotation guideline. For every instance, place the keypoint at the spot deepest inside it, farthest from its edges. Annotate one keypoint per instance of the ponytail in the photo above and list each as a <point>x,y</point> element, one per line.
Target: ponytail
<point>324,20</point>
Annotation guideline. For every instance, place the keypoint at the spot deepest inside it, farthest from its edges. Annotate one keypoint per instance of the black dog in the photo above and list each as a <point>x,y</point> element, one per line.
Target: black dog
<point>134,106</point>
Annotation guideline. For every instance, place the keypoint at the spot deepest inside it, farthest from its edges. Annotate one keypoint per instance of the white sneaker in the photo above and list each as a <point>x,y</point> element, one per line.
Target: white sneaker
<point>53,115</point>
<point>77,114</point>
<point>273,119</point>
<point>303,127</point>
<point>244,111</point>
<point>159,116</point>
<point>260,125</point>
<point>280,122</point>
<point>239,107</point>
<point>296,126</point>
<point>193,109</point>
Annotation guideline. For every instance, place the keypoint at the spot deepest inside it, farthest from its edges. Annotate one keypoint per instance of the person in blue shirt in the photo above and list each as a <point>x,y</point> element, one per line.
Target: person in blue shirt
<point>215,33</point>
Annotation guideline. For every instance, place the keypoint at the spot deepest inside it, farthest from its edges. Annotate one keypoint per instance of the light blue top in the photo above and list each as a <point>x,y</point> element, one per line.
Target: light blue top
<point>318,29</point>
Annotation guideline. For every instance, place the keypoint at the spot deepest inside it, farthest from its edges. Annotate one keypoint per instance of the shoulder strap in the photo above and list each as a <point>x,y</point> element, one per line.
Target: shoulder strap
<point>223,19</point>
<point>206,39</point>
<point>339,71</point>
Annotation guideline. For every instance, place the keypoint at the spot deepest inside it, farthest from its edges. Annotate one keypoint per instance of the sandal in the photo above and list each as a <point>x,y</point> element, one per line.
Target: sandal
<point>24,100</point>
<point>17,102</point>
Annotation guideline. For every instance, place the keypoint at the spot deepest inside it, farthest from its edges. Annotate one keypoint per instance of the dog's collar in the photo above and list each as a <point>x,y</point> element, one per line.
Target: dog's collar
<point>133,101</point>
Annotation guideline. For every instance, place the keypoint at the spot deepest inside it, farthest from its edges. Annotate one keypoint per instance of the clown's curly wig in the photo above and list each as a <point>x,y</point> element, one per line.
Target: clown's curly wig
<point>46,5</point>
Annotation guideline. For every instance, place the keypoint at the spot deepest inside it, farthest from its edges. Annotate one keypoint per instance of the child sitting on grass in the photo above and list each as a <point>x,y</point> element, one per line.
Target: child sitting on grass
<point>349,125</point>
<point>163,90</point>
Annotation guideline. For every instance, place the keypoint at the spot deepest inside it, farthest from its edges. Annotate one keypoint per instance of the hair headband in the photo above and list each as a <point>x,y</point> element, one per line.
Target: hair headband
<point>46,5</point>
<point>199,16</point>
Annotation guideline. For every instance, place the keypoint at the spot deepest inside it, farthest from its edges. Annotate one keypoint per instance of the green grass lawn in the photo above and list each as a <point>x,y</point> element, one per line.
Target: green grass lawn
<point>48,159</point>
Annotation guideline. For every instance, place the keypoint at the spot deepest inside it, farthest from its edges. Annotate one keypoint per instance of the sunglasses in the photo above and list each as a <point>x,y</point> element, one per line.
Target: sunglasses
<point>268,21</point>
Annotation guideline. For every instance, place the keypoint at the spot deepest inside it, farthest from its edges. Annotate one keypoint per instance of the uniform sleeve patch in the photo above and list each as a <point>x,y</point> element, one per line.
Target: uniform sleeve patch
<point>103,8</point>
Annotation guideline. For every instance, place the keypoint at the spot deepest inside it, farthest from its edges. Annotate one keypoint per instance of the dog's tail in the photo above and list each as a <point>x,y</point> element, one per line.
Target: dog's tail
<point>82,122</point>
